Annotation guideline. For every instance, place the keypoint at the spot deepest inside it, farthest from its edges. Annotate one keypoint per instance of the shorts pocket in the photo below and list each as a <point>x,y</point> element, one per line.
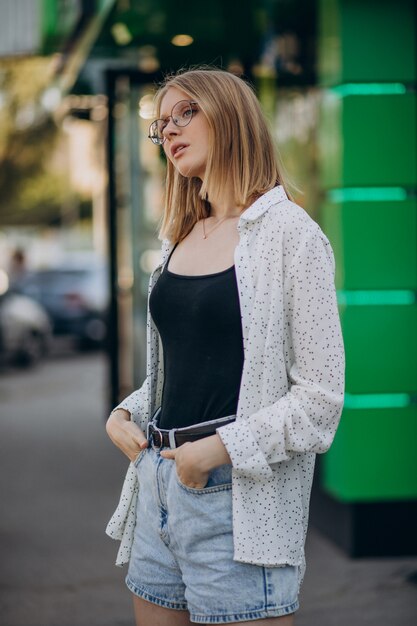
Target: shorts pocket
<point>220,479</point>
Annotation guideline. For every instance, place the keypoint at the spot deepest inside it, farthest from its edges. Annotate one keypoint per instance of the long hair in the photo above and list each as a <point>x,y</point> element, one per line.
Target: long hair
<point>240,152</point>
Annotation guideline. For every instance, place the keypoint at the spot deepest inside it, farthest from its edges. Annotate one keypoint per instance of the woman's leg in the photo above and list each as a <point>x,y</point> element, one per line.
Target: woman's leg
<point>149,614</point>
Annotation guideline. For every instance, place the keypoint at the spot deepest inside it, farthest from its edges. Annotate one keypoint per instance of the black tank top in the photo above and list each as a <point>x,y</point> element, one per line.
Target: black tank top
<point>198,319</point>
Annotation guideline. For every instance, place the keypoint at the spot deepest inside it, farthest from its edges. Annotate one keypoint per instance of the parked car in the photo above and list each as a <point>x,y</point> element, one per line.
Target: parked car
<point>25,329</point>
<point>76,300</point>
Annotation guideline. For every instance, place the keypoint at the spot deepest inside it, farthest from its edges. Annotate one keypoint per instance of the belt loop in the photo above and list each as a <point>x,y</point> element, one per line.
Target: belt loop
<point>171,437</point>
<point>153,445</point>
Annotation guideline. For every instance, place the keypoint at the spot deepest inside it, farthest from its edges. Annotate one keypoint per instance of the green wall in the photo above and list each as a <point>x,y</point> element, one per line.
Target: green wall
<point>368,174</point>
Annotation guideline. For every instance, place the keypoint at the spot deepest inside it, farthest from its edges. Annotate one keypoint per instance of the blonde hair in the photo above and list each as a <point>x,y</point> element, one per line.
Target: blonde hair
<point>240,151</point>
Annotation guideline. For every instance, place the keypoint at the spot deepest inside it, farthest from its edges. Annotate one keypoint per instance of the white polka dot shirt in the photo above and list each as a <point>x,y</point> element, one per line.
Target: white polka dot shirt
<point>292,387</point>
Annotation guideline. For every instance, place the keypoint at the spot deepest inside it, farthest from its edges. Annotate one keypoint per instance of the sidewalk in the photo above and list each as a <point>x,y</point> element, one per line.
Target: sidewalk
<point>60,479</point>
<point>339,591</point>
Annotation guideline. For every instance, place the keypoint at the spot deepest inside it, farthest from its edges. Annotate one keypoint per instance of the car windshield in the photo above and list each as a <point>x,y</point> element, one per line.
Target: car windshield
<point>61,279</point>
<point>90,283</point>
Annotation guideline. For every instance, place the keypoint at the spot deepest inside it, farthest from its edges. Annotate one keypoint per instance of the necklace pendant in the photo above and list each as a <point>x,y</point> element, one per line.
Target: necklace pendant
<point>204,236</point>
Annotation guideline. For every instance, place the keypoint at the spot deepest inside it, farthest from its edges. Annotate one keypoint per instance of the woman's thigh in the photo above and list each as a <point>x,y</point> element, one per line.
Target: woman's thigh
<point>149,614</point>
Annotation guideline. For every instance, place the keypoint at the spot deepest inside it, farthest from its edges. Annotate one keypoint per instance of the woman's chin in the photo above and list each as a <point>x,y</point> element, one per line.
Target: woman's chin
<point>189,172</point>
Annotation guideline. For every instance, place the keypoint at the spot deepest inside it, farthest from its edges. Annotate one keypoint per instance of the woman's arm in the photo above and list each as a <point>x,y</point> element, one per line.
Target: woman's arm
<point>306,417</point>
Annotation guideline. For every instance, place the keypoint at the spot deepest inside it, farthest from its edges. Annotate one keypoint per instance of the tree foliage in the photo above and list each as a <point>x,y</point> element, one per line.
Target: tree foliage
<point>31,191</point>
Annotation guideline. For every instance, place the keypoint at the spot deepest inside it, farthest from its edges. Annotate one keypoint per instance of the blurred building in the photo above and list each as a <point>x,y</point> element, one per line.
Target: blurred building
<point>337,79</point>
<point>52,146</point>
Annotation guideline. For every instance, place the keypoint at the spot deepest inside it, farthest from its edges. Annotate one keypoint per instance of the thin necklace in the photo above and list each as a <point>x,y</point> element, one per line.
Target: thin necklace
<point>227,217</point>
<point>205,234</point>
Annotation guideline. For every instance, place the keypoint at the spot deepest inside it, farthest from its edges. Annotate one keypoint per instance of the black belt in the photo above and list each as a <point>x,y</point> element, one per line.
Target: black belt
<point>161,438</point>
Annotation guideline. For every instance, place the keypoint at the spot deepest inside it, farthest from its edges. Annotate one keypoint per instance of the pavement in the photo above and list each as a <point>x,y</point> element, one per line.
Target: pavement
<point>60,479</point>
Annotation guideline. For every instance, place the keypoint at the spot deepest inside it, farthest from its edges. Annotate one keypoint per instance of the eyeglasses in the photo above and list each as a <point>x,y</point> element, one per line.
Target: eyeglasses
<point>182,113</point>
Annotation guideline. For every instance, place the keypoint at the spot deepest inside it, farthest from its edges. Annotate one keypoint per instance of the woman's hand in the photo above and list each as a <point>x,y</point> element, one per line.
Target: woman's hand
<point>125,434</point>
<point>195,460</point>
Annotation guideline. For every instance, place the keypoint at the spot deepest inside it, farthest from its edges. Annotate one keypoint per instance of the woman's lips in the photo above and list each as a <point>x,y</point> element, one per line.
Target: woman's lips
<point>177,149</point>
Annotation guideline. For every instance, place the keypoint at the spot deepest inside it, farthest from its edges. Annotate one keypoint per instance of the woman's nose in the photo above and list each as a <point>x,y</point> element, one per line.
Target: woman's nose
<point>170,128</point>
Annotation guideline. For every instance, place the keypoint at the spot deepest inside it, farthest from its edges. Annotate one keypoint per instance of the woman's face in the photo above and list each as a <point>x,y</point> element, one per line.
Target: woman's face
<point>185,146</point>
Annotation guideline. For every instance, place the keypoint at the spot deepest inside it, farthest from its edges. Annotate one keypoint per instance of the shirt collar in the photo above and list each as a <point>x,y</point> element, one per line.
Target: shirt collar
<point>262,204</point>
<point>255,210</point>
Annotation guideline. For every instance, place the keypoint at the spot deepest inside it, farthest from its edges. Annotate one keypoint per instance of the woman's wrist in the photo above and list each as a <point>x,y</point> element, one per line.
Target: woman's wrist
<point>125,434</point>
<point>120,414</point>
<point>212,452</point>
<point>116,420</point>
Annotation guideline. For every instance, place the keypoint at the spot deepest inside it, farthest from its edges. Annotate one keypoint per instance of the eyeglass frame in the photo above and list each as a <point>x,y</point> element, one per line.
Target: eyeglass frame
<point>170,117</point>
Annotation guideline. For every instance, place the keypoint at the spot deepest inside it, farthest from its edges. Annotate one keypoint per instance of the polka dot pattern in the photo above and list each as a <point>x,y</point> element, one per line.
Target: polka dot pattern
<point>292,387</point>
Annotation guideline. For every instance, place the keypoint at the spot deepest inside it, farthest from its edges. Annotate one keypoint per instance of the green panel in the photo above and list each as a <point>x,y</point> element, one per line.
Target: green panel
<point>381,347</point>
<point>378,41</point>
<point>368,140</point>
<point>375,243</point>
<point>361,41</point>
<point>373,456</point>
<point>379,140</point>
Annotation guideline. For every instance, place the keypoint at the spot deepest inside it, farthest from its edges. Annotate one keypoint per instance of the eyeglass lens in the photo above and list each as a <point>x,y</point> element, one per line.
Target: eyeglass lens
<point>181,115</point>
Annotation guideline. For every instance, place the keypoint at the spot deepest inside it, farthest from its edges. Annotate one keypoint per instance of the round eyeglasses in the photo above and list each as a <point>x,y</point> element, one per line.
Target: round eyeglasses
<point>182,113</point>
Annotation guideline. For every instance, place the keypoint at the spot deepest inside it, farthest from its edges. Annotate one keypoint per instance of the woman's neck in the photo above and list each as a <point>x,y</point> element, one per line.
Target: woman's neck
<point>225,207</point>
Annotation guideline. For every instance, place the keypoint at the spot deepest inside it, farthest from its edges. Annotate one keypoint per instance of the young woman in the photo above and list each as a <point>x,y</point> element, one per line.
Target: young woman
<point>245,373</point>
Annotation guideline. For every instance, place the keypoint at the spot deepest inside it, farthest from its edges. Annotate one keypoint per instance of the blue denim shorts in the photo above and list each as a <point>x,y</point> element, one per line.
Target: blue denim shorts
<point>182,554</point>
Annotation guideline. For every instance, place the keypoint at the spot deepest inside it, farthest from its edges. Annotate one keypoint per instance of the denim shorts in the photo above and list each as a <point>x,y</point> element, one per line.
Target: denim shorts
<point>182,554</point>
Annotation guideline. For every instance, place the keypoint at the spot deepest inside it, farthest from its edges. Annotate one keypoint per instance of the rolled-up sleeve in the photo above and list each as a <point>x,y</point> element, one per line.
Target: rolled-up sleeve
<point>305,419</point>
